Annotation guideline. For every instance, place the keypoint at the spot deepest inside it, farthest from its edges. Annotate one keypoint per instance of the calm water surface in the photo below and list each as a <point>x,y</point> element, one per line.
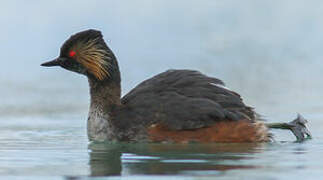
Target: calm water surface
<point>57,148</point>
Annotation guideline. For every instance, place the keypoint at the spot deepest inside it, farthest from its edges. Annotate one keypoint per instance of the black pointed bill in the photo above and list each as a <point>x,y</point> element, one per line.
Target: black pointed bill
<point>55,62</point>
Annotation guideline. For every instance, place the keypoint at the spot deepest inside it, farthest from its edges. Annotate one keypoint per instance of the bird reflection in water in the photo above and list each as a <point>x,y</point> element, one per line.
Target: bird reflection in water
<point>107,159</point>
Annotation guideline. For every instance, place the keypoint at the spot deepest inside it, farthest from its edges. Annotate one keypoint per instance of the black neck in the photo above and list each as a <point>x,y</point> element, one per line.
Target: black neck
<point>105,95</point>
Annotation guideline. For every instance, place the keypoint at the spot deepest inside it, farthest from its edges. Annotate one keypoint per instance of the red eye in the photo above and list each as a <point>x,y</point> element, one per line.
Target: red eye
<point>72,53</point>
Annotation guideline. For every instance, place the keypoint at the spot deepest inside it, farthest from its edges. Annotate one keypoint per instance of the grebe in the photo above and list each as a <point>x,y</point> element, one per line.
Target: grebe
<point>175,106</point>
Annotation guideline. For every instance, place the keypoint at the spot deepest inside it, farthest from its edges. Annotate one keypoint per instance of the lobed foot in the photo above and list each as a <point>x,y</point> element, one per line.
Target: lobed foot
<point>299,129</point>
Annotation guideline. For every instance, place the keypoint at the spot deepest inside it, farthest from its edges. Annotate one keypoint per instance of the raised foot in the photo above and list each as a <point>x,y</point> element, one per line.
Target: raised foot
<point>297,126</point>
<point>299,129</point>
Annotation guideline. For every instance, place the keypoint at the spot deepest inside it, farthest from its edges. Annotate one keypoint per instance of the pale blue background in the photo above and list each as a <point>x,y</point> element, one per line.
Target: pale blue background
<point>269,51</point>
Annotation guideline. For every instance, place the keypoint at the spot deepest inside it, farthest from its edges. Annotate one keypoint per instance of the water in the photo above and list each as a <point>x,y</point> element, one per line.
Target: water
<point>272,56</point>
<point>58,149</point>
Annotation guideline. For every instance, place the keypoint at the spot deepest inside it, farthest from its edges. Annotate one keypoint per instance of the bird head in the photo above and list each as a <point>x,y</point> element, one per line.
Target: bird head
<point>86,53</point>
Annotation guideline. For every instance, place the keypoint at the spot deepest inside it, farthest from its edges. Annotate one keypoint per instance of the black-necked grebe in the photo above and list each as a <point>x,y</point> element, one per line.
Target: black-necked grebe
<point>174,106</point>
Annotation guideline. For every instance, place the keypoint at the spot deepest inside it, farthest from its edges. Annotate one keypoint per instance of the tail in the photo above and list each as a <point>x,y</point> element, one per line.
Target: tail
<point>297,126</point>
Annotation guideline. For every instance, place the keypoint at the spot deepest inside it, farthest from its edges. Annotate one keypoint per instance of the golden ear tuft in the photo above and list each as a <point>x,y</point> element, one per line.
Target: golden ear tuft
<point>92,57</point>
